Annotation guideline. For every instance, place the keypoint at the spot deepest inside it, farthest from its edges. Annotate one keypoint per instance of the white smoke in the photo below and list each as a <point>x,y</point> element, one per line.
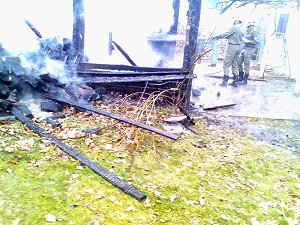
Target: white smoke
<point>129,21</point>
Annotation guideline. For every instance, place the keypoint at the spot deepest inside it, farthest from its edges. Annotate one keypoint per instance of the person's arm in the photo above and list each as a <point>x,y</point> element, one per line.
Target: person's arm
<point>227,33</point>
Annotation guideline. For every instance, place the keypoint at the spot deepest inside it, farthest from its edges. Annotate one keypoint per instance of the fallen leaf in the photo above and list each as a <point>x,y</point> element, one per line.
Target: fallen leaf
<point>2,203</point>
<point>9,170</point>
<point>38,163</point>
<point>224,217</point>
<point>119,161</point>
<point>156,192</point>
<point>8,149</point>
<point>50,218</point>
<point>113,199</point>
<point>254,221</point>
<point>88,141</point>
<point>26,144</point>
<point>222,199</point>
<point>16,221</point>
<point>202,173</point>
<point>187,163</point>
<point>88,191</point>
<point>265,206</point>
<point>79,167</point>
<point>100,195</point>
<point>201,200</point>
<point>131,208</point>
<point>108,147</point>
<point>173,198</point>
<point>94,222</point>
<point>148,203</point>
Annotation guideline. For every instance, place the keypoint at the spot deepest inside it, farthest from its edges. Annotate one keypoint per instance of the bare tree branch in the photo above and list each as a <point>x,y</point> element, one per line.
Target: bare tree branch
<point>270,3</point>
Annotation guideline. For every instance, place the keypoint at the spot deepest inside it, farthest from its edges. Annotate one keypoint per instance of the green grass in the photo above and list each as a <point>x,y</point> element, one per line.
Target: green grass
<point>219,177</point>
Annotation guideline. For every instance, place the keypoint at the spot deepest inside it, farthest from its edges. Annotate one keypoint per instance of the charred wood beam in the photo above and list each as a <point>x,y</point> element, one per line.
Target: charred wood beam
<point>95,66</point>
<point>113,179</point>
<point>113,116</point>
<point>174,27</point>
<point>37,33</point>
<point>57,116</point>
<point>142,88</point>
<point>110,46</point>
<point>78,31</point>
<point>117,79</point>
<point>190,49</point>
<point>219,106</point>
<point>128,73</point>
<point>124,53</point>
<point>138,87</point>
<point>7,118</point>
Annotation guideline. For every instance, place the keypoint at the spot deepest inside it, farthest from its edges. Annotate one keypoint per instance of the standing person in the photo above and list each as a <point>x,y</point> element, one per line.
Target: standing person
<point>234,40</point>
<point>250,45</point>
<point>214,54</point>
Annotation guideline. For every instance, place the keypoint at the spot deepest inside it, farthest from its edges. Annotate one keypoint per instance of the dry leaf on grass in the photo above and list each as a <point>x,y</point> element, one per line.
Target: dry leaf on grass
<point>50,218</point>
<point>254,221</point>
<point>201,200</point>
<point>130,208</point>
<point>16,221</point>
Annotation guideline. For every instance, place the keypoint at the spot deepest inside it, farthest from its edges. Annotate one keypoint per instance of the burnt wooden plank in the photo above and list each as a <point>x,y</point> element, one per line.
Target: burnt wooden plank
<point>33,28</point>
<point>143,87</point>
<point>128,73</point>
<point>95,66</point>
<point>116,79</point>
<point>113,116</point>
<point>219,106</point>
<point>113,179</point>
<point>124,53</point>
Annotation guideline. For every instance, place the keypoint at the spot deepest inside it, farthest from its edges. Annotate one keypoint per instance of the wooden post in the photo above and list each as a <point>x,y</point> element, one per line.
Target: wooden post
<point>78,31</point>
<point>176,7</point>
<point>190,49</point>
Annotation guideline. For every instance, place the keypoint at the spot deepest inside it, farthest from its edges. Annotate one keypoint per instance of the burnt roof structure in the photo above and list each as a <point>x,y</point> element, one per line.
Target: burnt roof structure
<point>190,49</point>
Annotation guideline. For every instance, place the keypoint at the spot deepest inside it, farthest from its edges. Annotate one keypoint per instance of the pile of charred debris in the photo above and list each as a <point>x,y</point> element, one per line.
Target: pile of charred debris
<point>76,84</point>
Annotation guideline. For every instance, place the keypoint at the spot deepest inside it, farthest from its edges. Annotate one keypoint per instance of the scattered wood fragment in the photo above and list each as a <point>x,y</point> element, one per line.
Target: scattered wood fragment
<point>218,106</point>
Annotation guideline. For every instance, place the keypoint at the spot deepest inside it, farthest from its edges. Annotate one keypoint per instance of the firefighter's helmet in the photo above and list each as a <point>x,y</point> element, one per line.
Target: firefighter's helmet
<point>237,20</point>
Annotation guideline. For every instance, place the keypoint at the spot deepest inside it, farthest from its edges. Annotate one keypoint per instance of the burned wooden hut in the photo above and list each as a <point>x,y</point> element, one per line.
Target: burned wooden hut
<point>85,78</point>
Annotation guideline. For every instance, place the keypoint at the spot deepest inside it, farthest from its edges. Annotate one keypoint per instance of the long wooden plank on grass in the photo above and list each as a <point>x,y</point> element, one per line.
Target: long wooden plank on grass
<point>113,116</point>
<point>113,179</point>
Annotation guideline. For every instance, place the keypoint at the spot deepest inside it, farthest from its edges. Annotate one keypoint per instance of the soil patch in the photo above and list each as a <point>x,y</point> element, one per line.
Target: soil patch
<point>280,133</point>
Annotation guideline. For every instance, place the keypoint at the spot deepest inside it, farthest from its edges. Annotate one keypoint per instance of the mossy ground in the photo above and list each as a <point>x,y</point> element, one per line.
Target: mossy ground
<point>221,176</point>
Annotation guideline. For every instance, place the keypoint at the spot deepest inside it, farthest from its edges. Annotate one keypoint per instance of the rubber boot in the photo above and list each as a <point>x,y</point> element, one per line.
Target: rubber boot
<point>225,81</point>
<point>241,76</point>
<point>245,79</point>
<point>235,81</point>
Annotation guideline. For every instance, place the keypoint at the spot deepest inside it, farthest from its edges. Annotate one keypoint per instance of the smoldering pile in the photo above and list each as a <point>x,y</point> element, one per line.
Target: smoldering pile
<point>17,80</point>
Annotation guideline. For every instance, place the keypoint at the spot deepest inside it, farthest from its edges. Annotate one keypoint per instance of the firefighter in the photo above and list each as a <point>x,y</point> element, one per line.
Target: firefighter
<point>250,44</point>
<point>233,49</point>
